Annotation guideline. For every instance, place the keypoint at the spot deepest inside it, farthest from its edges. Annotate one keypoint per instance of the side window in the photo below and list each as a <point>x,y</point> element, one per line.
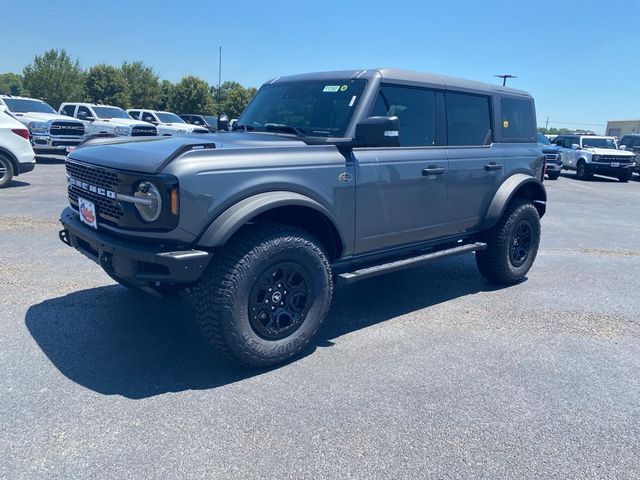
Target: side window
<point>568,141</point>
<point>415,109</point>
<point>68,110</point>
<point>517,119</point>
<point>468,119</point>
<point>134,114</point>
<point>197,121</point>
<point>83,112</point>
<point>558,141</point>
<point>148,117</point>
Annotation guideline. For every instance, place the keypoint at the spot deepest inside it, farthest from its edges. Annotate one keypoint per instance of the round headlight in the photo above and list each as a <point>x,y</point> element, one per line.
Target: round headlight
<point>151,206</point>
<point>181,132</point>
<point>595,158</point>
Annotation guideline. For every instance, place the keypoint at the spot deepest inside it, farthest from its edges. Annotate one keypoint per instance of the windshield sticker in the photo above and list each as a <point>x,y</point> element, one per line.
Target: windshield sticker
<point>331,88</point>
<point>343,88</point>
<point>353,100</point>
<point>505,124</point>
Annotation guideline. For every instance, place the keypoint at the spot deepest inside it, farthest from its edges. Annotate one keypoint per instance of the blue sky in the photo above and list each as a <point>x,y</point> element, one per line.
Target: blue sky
<point>580,60</point>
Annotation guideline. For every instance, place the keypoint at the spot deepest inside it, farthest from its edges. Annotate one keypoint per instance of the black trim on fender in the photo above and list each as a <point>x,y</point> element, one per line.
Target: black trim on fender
<point>508,190</point>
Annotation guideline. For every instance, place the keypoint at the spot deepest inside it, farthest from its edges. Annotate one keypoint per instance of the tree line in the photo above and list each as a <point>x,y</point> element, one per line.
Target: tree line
<point>56,78</point>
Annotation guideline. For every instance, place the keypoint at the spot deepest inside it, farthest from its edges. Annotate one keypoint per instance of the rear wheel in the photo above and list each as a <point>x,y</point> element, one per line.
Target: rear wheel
<point>512,244</point>
<point>265,296</point>
<point>6,171</point>
<point>581,171</point>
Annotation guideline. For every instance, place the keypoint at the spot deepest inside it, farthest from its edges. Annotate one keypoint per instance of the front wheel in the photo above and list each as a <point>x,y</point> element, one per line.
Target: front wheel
<point>265,295</point>
<point>625,177</point>
<point>553,175</point>
<point>581,171</point>
<point>6,171</point>
<point>512,244</point>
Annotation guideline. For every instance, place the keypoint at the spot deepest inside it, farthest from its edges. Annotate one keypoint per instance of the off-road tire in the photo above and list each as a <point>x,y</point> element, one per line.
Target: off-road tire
<point>581,171</point>
<point>495,263</point>
<point>553,175</point>
<point>223,295</point>
<point>6,171</point>
<point>625,177</point>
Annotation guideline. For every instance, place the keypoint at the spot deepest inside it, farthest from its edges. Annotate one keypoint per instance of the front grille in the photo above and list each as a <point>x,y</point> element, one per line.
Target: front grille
<point>143,131</point>
<point>614,158</point>
<point>552,157</point>
<point>70,129</point>
<point>99,178</point>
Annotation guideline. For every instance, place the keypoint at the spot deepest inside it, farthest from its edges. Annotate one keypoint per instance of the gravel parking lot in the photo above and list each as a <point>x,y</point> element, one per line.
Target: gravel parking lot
<point>430,372</point>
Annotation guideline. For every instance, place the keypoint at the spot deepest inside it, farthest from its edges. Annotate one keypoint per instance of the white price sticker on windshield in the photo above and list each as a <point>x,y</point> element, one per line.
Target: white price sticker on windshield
<point>331,88</point>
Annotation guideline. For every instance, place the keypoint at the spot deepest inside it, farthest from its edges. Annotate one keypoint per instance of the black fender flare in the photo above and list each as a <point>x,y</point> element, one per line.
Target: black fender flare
<point>519,184</point>
<point>14,161</point>
<point>234,217</point>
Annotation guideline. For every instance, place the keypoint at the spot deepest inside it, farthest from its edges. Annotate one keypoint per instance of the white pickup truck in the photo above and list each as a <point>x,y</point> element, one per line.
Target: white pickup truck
<point>107,119</point>
<point>50,133</point>
<point>167,123</point>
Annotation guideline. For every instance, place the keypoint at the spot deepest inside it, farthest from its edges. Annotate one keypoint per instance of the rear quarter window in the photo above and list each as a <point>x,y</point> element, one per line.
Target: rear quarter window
<point>518,122</point>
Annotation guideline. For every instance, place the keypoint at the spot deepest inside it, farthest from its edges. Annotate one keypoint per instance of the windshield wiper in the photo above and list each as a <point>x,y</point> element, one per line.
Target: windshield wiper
<point>244,128</point>
<point>285,129</point>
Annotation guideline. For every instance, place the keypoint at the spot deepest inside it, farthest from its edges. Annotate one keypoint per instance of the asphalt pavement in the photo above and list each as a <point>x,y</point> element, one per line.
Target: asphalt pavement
<point>426,373</point>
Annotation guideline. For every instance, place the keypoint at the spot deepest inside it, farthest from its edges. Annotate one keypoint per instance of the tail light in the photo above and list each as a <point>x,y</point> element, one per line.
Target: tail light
<point>23,132</point>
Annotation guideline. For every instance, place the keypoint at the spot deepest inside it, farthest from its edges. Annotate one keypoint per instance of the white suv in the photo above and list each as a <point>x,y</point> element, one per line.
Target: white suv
<point>107,119</point>
<point>16,155</point>
<point>167,123</point>
<point>50,133</point>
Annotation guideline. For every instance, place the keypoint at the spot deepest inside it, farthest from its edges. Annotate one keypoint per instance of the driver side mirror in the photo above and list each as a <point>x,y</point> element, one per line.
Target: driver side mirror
<point>85,116</point>
<point>622,147</point>
<point>378,132</point>
<point>575,146</point>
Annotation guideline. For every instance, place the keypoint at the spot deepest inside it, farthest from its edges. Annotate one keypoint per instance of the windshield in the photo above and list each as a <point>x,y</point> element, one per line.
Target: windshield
<point>543,139</point>
<point>110,112</point>
<point>599,142</point>
<point>19,105</point>
<point>169,117</point>
<point>320,108</point>
<point>211,121</point>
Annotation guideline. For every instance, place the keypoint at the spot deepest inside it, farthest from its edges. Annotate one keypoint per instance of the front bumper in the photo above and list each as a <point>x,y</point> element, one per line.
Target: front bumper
<point>553,167</point>
<point>607,169</point>
<point>55,145</point>
<point>139,264</point>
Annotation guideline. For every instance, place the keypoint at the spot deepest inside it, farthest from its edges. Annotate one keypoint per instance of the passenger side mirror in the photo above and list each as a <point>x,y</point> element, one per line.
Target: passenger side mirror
<point>622,147</point>
<point>85,116</point>
<point>378,132</point>
<point>575,146</point>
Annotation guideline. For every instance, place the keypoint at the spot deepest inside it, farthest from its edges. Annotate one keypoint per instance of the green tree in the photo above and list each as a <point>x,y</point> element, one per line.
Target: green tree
<point>11,84</point>
<point>166,95</point>
<point>107,84</point>
<point>144,85</point>
<point>54,78</point>
<point>233,98</point>
<point>191,95</point>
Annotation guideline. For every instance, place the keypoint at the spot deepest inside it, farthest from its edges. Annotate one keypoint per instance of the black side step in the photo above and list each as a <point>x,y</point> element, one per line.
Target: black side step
<point>351,277</point>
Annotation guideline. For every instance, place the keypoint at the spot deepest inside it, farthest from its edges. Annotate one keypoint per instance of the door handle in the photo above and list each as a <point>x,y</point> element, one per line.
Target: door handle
<point>492,166</point>
<point>433,171</point>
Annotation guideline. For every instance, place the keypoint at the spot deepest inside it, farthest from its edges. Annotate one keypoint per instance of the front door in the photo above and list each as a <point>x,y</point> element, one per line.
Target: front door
<point>401,194</point>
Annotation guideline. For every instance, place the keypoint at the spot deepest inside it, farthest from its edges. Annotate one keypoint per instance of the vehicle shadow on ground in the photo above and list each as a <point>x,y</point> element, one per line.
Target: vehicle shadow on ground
<point>114,341</point>
<point>16,184</point>
<point>594,178</point>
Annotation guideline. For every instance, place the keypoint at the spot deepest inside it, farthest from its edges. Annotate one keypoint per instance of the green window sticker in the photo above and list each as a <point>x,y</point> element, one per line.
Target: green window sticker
<point>331,88</point>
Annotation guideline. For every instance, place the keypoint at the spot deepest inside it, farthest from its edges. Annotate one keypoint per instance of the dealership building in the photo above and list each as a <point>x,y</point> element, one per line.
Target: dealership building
<point>618,128</point>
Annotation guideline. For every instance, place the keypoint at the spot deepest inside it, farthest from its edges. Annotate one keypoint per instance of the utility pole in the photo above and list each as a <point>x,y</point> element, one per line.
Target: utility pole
<point>546,124</point>
<point>219,83</point>
<point>504,78</point>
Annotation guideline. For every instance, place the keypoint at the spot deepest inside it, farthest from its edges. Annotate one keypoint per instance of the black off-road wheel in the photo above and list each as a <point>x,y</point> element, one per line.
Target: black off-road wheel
<point>6,171</point>
<point>553,175</point>
<point>625,177</point>
<point>265,295</point>
<point>512,244</point>
<point>581,171</point>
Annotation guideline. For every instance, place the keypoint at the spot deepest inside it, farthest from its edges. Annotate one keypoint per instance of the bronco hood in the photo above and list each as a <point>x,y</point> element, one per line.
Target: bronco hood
<point>152,154</point>
<point>609,152</point>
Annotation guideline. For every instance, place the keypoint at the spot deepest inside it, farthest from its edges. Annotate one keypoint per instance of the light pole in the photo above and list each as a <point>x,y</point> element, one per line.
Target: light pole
<point>504,78</point>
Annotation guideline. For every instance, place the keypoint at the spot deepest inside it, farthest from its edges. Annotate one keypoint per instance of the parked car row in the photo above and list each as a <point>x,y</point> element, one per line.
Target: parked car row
<point>52,132</point>
<point>16,153</point>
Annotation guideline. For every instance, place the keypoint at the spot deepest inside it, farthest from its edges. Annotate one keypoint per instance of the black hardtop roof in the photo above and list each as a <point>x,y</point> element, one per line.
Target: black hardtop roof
<point>404,76</point>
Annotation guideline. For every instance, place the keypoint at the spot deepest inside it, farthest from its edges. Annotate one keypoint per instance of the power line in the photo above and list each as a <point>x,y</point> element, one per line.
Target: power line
<point>573,123</point>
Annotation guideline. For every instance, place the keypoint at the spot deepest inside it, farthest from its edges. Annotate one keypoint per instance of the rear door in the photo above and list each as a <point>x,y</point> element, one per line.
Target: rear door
<point>476,168</point>
<point>401,194</point>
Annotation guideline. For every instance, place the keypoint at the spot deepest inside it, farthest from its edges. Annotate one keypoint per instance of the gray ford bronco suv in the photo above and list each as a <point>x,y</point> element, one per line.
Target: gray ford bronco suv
<point>328,178</point>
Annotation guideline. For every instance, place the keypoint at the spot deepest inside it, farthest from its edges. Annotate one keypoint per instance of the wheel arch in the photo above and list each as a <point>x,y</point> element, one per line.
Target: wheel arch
<point>516,186</point>
<point>288,208</point>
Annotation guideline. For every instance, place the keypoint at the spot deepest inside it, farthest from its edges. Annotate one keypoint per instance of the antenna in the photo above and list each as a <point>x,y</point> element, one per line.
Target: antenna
<point>219,82</point>
<point>504,78</point>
